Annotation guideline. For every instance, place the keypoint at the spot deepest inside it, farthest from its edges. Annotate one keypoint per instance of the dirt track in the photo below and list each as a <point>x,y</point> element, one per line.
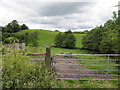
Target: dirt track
<point>75,71</point>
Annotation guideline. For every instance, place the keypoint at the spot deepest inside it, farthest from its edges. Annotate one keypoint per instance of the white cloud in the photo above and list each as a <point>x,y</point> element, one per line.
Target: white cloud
<point>30,13</point>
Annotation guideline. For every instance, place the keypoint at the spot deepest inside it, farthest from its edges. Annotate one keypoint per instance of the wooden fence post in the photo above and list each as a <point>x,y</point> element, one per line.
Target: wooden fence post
<point>47,56</point>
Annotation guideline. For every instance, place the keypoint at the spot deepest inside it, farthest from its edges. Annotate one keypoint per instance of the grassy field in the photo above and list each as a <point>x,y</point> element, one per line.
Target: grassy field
<point>47,38</point>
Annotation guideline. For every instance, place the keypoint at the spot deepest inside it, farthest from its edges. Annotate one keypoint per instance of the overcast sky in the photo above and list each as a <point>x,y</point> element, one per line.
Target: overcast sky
<point>57,14</point>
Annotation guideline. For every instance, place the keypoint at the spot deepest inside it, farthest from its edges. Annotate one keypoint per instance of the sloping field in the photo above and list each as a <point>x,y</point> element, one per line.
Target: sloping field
<point>47,37</point>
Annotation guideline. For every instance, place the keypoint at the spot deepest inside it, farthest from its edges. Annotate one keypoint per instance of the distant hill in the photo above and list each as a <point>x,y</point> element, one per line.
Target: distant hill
<point>47,37</point>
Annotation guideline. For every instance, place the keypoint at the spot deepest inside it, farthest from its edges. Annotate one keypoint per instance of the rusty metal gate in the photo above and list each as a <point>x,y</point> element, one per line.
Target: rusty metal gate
<point>86,66</point>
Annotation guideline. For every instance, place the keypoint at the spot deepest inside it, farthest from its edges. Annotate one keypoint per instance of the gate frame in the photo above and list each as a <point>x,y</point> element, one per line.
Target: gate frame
<point>108,64</point>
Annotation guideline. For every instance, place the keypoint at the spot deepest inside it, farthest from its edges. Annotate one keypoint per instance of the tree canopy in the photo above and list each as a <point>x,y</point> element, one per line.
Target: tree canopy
<point>65,40</point>
<point>9,29</point>
<point>104,39</point>
<point>13,27</point>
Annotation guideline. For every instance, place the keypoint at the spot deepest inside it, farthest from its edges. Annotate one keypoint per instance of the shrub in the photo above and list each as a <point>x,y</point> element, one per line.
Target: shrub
<point>19,72</point>
<point>11,40</point>
<point>29,38</point>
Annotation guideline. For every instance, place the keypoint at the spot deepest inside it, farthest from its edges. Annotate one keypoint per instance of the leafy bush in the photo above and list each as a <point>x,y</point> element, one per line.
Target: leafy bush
<point>19,72</point>
<point>29,38</point>
<point>11,40</point>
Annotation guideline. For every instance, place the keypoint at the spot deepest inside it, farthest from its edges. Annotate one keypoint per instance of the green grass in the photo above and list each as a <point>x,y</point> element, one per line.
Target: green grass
<point>99,60</point>
<point>47,37</point>
<point>92,84</point>
<point>79,40</point>
<point>41,49</point>
<point>70,51</point>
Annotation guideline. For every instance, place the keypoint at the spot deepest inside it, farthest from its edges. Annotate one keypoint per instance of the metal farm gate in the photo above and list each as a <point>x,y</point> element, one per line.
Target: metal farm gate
<point>86,66</point>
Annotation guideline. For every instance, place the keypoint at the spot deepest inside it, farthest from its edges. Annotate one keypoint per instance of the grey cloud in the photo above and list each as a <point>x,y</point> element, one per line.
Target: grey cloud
<point>85,27</point>
<point>42,20</point>
<point>58,9</point>
<point>63,15</point>
<point>56,13</point>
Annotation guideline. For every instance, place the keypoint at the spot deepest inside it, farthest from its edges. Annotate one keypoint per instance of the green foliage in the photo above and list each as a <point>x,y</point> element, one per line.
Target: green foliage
<point>114,15</point>
<point>12,27</point>
<point>118,20</point>
<point>59,40</point>
<point>92,39</point>
<point>97,84</point>
<point>46,37</point>
<point>11,40</point>
<point>81,32</point>
<point>29,38</point>
<point>23,27</point>
<point>104,39</point>
<point>70,40</point>
<point>109,43</point>
<point>34,38</point>
<point>9,30</point>
<point>1,28</point>
<point>66,40</point>
<point>57,31</point>
<point>5,35</point>
<point>19,72</point>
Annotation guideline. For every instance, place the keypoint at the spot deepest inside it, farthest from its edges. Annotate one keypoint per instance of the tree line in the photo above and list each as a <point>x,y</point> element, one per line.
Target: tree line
<point>13,27</point>
<point>81,32</point>
<point>10,34</point>
<point>104,39</point>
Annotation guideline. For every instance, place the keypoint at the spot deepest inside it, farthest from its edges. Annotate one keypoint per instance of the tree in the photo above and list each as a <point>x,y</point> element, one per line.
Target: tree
<point>15,26</point>
<point>23,27</point>
<point>65,40</point>
<point>30,38</point>
<point>109,42</point>
<point>118,20</point>
<point>85,32</point>
<point>104,39</point>
<point>57,31</point>
<point>114,15</point>
<point>8,28</point>
<point>12,27</point>
<point>68,32</point>
<point>34,39</point>
<point>1,28</point>
<point>59,40</point>
<point>69,41</point>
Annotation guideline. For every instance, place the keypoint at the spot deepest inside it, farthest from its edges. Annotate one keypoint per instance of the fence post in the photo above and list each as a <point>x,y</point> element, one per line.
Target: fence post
<point>47,56</point>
